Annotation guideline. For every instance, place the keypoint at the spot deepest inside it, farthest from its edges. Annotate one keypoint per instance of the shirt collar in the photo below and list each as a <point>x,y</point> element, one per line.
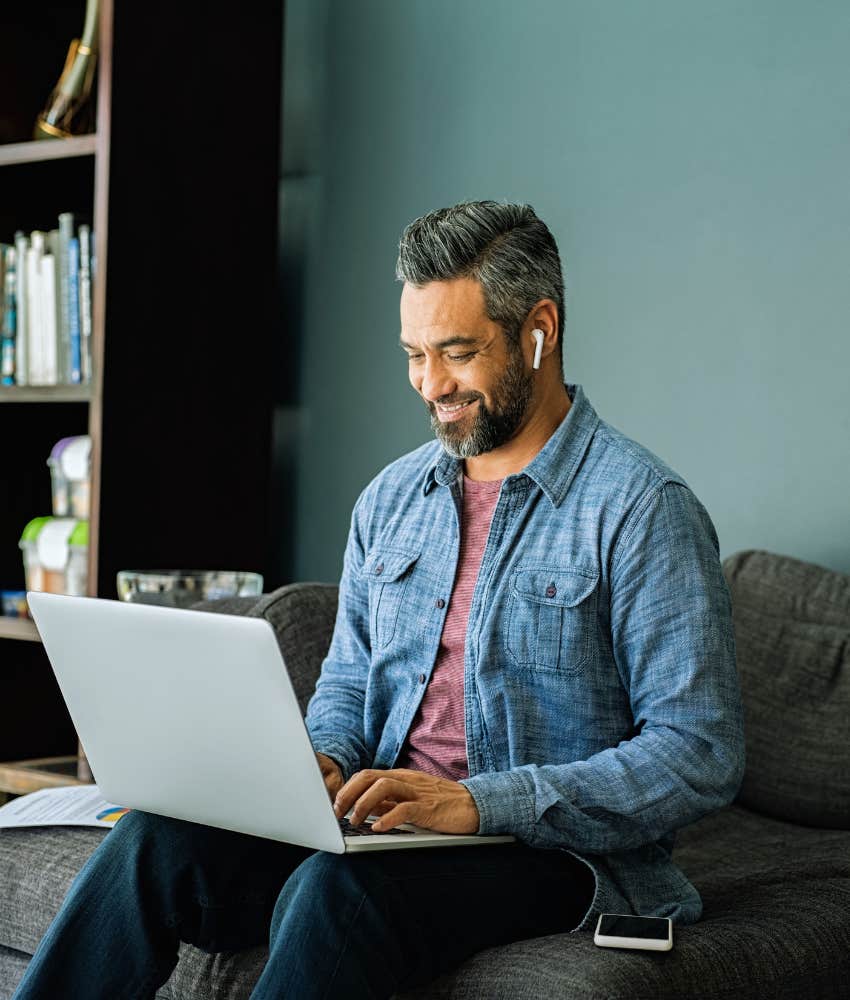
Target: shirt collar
<point>553,467</point>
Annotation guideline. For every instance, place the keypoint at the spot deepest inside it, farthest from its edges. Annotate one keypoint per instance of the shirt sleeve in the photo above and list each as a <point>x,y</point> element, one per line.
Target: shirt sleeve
<point>673,644</point>
<point>335,713</point>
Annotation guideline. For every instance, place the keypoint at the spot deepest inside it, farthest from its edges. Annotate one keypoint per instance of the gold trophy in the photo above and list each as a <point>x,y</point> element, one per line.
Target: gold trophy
<point>69,110</point>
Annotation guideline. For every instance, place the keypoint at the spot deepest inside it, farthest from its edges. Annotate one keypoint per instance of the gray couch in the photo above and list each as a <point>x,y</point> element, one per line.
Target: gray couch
<point>773,868</point>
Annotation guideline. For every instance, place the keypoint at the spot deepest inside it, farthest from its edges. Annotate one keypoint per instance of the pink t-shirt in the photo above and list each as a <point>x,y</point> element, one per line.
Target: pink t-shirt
<point>436,742</point>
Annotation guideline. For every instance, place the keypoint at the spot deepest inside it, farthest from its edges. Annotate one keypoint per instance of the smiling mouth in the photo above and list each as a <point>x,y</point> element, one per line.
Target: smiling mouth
<point>453,412</point>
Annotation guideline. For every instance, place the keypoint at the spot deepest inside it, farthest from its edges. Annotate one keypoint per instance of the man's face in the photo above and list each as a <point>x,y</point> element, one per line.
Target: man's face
<point>472,379</point>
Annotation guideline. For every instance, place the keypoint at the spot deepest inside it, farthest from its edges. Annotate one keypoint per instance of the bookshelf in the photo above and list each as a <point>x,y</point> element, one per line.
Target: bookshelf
<point>37,151</point>
<point>45,394</point>
<point>180,181</point>
<point>18,628</point>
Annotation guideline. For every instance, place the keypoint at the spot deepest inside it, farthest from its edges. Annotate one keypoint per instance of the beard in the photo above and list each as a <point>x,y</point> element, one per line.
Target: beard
<point>492,427</point>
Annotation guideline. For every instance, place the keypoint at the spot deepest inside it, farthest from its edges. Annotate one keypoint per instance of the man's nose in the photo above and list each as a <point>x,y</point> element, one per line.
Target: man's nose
<point>437,382</point>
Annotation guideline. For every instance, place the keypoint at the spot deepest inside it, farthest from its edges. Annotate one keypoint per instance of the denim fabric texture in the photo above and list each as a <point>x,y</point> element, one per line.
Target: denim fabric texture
<point>601,695</point>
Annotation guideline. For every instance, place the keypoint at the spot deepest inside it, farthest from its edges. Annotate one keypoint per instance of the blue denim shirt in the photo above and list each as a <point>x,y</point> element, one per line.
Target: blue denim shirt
<point>601,695</point>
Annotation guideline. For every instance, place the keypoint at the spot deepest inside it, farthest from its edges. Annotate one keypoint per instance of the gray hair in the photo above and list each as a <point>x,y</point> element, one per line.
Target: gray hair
<point>505,247</point>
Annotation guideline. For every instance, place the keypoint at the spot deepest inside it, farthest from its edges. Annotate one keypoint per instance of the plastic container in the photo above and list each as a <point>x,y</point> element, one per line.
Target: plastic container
<point>77,570</point>
<point>55,553</point>
<point>33,569</point>
<point>70,474</point>
<point>181,588</point>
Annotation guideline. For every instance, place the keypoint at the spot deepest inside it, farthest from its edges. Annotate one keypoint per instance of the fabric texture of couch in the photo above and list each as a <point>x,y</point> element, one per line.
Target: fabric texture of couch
<point>773,868</point>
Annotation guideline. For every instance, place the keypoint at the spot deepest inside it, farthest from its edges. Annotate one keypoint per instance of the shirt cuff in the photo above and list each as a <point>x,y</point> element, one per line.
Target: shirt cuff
<point>340,752</point>
<point>504,800</point>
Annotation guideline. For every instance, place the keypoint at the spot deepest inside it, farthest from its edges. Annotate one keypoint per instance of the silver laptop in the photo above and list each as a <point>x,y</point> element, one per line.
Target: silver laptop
<point>192,714</point>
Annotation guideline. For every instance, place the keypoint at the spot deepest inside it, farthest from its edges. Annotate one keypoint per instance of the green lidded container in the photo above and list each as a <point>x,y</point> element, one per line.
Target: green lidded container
<point>55,552</point>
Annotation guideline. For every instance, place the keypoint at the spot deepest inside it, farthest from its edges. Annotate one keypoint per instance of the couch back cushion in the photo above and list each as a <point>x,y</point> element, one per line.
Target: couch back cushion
<point>303,616</point>
<point>792,632</point>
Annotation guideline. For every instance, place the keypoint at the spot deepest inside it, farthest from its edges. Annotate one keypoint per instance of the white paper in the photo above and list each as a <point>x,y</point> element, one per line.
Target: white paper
<point>70,805</point>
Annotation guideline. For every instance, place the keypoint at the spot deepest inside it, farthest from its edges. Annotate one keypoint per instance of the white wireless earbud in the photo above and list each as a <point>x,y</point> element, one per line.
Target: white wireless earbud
<point>538,350</point>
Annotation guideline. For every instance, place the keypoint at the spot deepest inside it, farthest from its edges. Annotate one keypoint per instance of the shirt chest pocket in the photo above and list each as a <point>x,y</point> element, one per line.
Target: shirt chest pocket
<point>387,572</point>
<point>552,618</point>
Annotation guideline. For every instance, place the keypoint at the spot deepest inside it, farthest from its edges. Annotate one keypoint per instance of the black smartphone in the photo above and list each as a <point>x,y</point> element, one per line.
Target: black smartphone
<point>623,930</point>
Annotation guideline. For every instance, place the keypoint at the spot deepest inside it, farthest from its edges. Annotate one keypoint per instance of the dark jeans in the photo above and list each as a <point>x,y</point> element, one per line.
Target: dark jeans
<point>355,925</point>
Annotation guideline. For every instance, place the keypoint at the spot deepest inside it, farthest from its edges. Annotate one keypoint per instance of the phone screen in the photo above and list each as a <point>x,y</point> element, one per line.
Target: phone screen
<point>647,928</point>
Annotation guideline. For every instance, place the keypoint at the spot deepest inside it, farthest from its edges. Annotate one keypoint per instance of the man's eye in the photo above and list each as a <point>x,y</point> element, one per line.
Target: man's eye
<point>414,357</point>
<point>461,357</point>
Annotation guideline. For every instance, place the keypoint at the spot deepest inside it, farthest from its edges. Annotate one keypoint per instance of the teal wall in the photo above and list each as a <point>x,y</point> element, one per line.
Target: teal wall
<point>692,160</point>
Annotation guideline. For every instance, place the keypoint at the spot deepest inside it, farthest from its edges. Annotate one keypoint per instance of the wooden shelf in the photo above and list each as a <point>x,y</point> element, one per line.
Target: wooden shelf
<point>39,150</point>
<point>19,777</point>
<point>18,628</point>
<point>45,393</point>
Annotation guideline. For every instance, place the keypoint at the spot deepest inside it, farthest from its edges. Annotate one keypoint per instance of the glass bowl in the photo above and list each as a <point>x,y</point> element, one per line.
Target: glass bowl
<point>181,588</point>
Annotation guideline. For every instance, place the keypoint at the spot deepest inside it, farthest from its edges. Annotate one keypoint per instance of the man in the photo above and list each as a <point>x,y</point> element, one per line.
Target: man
<point>534,637</point>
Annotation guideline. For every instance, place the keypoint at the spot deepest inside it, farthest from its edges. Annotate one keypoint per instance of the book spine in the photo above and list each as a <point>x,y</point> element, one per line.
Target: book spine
<point>4,354</point>
<point>50,306</point>
<point>22,339</point>
<point>84,236</point>
<point>74,308</point>
<point>64,235</point>
<point>10,318</point>
<point>3,248</point>
<point>34,305</point>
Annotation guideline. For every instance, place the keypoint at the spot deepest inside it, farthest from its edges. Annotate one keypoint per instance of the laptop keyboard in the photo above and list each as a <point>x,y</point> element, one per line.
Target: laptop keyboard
<point>365,830</point>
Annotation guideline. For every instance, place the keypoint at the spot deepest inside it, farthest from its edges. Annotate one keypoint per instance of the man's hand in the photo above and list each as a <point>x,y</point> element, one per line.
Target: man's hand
<point>331,773</point>
<point>404,796</point>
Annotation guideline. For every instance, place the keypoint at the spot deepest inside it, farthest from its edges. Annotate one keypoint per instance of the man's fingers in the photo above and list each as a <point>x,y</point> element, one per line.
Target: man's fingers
<point>423,799</point>
<point>359,782</point>
<point>402,812</point>
<point>377,793</point>
<point>384,807</point>
<point>353,789</point>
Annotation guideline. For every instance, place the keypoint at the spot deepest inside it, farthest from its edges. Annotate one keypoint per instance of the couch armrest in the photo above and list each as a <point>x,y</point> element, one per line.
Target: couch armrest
<point>303,616</point>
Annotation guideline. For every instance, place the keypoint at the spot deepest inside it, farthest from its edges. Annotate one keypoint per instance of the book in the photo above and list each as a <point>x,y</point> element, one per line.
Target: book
<point>3,354</point>
<point>84,236</point>
<point>34,307</point>
<point>52,296</point>
<point>22,339</point>
<point>3,248</point>
<point>53,249</point>
<point>64,234</point>
<point>50,309</point>
<point>9,325</point>
<point>75,372</point>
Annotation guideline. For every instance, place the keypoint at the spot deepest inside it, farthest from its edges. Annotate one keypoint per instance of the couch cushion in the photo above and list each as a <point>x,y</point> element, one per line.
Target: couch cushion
<point>37,867</point>
<point>792,632</point>
<point>13,965</point>
<point>303,616</point>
